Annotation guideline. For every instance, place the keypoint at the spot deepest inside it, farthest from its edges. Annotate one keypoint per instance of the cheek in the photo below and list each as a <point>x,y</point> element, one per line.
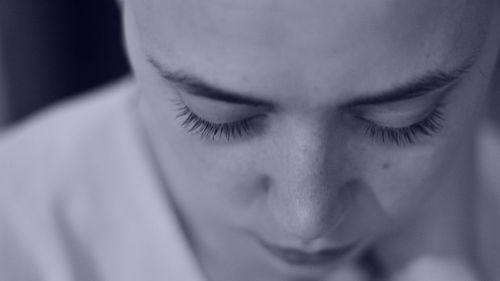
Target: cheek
<point>217,186</point>
<point>212,180</point>
<point>400,185</point>
<point>401,180</point>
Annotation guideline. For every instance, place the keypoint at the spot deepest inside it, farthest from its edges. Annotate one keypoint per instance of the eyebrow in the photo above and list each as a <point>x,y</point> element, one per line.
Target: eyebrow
<point>420,86</point>
<point>198,87</point>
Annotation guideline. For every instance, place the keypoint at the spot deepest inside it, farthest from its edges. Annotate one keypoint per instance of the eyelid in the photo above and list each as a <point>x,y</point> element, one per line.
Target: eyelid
<point>220,112</point>
<point>215,131</point>
<point>398,119</point>
<point>400,114</point>
<point>429,126</point>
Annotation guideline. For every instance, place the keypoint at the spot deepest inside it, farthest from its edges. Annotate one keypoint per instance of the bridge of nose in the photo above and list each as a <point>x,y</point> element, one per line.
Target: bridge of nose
<point>307,191</point>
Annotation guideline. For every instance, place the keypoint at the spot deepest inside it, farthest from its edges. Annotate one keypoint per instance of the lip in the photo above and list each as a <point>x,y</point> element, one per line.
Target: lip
<point>295,256</point>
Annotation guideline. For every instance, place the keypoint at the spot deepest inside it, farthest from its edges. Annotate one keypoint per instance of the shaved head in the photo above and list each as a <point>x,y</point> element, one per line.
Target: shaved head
<point>310,125</point>
<point>345,33</point>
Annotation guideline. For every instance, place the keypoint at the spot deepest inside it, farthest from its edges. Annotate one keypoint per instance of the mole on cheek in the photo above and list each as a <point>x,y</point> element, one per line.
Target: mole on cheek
<point>386,166</point>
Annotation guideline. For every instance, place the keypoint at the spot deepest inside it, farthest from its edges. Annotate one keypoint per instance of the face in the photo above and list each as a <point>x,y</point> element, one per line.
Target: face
<point>294,135</point>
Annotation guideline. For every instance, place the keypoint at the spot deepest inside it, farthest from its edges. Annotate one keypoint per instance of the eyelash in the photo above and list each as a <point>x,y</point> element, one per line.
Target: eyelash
<point>431,125</point>
<point>210,130</point>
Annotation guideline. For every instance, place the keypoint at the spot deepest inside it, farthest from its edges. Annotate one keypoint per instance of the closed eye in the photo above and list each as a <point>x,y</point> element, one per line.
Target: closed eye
<point>212,130</point>
<point>407,135</point>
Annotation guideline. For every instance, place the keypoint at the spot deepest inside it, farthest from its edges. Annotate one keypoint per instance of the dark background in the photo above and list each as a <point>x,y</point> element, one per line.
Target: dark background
<point>55,49</point>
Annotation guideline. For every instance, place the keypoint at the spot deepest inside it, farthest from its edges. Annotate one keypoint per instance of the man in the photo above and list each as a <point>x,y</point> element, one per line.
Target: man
<point>268,140</point>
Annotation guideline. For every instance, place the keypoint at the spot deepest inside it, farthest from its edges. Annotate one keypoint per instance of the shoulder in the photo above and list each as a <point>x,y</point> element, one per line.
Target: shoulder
<point>58,153</point>
<point>47,163</point>
<point>78,194</point>
<point>60,148</point>
<point>47,143</point>
<point>56,149</point>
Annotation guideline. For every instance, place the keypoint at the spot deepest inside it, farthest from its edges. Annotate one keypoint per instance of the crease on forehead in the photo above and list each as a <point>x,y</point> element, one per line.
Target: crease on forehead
<point>429,20</point>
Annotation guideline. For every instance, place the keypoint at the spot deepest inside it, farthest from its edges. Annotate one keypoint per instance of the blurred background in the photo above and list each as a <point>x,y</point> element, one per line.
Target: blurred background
<point>55,49</point>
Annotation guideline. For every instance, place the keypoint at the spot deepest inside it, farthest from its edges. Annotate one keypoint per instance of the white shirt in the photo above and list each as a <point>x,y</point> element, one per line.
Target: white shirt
<point>79,199</point>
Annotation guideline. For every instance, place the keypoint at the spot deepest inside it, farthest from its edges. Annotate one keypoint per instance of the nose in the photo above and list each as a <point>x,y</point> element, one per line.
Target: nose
<point>306,195</point>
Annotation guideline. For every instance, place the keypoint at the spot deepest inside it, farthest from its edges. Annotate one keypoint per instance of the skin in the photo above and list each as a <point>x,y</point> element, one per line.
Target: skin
<point>310,178</point>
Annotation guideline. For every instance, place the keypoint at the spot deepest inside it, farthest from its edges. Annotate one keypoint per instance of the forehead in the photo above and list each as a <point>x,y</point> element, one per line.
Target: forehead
<point>311,42</point>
